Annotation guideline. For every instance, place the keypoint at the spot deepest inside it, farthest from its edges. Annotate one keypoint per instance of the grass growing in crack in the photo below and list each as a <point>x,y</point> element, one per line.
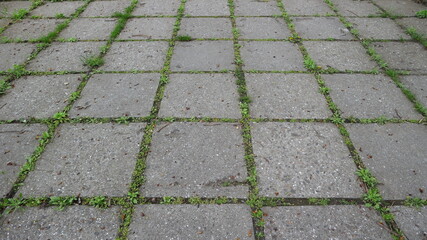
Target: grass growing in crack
<point>417,36</point>
<point>319,201</point>
<point>4,86</point>
<point>17,71</point>
<point>93,61</point>
<point>366,176</point>
<point>19,13</point>
<point>62,202</point>
<point>99,202</point>
<point>421,14</point>
<point>60,15</point>
<point>184,38</point>
<point>415,202</point>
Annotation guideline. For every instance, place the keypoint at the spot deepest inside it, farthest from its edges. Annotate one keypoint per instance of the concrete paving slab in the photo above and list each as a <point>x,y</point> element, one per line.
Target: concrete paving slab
<point>309,7</point>
<point>30,28</point>
<point>17,141</point>
<point>196,159</point>
<point>14,53</point>
<point>395,154</point>
<point>86,160</point>
<point>351,8</point>
<point>323,222</point>
<point>192,222</point>
<point>117,95</point>
<point>38,96</point>
<point>206,27</point>
<point>378,28</point>
<point>276,95</point>
<point>74,222</point>
<point>399,7</point>
<point>408,56</point>
<point>262,28</point>
<point>321,28</point>
<point>418,85</point>
<point>157,8</point>
<point>256,8</point>
<point>128,56</point>
<point>343,56</point>
<point>89,29</point>
<point>104,8</point>
<point>148,28</point>
<point>207,8</point>
<point>303,160</point>
<point>51,9</point>
<point>271,56</point>
<point>4,22</point>
<point>66,56</point>
<point>201,95</point>
<point>412,221</point>
<point>8,8</point>
<point>369,96</point>
<point>419,24</point>
<point>203,56</point>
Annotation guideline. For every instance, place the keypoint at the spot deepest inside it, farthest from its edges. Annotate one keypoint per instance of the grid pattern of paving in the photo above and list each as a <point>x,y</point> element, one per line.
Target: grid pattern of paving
<point>201,119</point>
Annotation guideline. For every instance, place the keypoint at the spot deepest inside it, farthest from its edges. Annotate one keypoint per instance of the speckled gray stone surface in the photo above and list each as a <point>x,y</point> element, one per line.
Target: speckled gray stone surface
<point>353,8</point>
<point>262,28</point>
<point>206,27</point>
<point>30,28</point>
<point>14,53</point>
<point>321,28</point>
<point>51,9</point>
<point>412,221</point>
<point>378,28</point>
<point>308,7</point>
<point>156,8</point>
<point>399,7</point>
<point>256,8</point>
<point>207,8</point>
<point>89,29</point>
<point>420,24</point>
<point>417,84</point>
<point>4,22</point>
<point>104,8</point>
<point>7,8</point>
<point>148,28</point>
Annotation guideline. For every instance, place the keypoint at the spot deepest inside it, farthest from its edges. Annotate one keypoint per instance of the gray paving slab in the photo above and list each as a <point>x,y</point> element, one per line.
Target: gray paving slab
<point>38,96</point>
<point>17,141</point>
<point>148,28</point>
<point>419,24</point>
<point>192,222</point>
<point>351,8</point>
<point>89,29</point>
<point>201,95</point>
<point>303,160</point>
<point>206,27</point>
<point>417,85</point>
<point>262,28</point>
<point>271,56</point>
<point>323,222</point>
<point>369,96</point>
<point>14,53</point>
<point>408,56</point>
<point>86,160</point>
<point>66,56</point>
<point>321,28</point>
<point>343,56</point>
<point>128,56</point>
<point>30,28</point>
<point>309,7</point>
<point>378,28</point>
<point>8,8</point>
<point>157,8</point>
<point>75,222</point>
<point>51,9</point>
<point>4,22</point>
<point>399,7</point>
<point>412,221</point>
<point>196,159</point>
<point>104,8</point>
<point>276,95</point>
<point>256,8</point>
<point>396,155</point>
<point>117,95</point>
<point>207,8</point>
<point>203,56</point>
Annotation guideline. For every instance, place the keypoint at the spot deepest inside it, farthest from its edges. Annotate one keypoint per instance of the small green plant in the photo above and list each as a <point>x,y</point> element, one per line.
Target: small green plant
<point>12,204</point>
<point>19,14</point>
<point>93,61</point>
<point>133,197</point>
<point>373,199</point>
<point>4,86</point>
<point>62,202</point>
<point>415,202</point>
<point>195,200</point>
<point>167,200</point>
<point>17,71</point>
<point>184,38</point>
<point>310,64</point>
<point>123,120</point>
<point>366,176</point>
<point>99,202</point>
<point>421,14</point>
<point>60,15</point>
<point>319,201</point>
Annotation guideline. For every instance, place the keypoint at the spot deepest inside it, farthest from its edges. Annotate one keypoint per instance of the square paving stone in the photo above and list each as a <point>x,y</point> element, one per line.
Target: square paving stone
<point>201,95</point>
<point>378,28</point>
<point>38,96</point>
<point>256,8</point>
<point>262,28</point>
<point>276,95</point>
<point>86,160</point>
<point>413,222</point>
<point>271,56</point>
<point>303,160</point>
<point>4,23</point>
<point>89,29</point>
<point>352,8</point>
<point>419,24</point>
<point>417,85</point>
<point>66,56</point>
<point>396,155</point>
<point>323,222</point>
<point>117,95</point>
<point>104,8</point>
<point>51,9</point>
<point>30,29</point>
<point>8,8</point>
<point>207,8</point>
<point>14,53</point>
<point>157,8</point>
<point>203,56</point>
<point>192,222</point>
<point>344,56</point>
<point>74,222</point>
<point>128,56</point>
<point>399,7</point>
<point>369,96</point>
<point>148,28</point>
<point>403,56</point>
<point>196,159</point>
<point>206,27</point>
<point>307,7</point>
<point>17,142</point>
<point>321,28</point>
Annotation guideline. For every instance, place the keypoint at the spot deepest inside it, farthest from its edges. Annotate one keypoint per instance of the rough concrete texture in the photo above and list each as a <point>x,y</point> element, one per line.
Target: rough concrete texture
<point>28,97</point>
<point>75,222</point>
<point>207,8</point>
<point>308,7</point>
<point>103,8</point>
<point>52,9</point>
<point>262,28</point>
<point>196,159</point>
<point>417,85</point>
<point>206,28</point>
<point>419,24</point>
<point>117,95</point>
<point>276,95</point>
<point>321,28</point>
<point>303,160</point>
<point>326,222</point>
<point>17,142</point>
<point>399,7</point>
<point>14,53</point>
<point>378,28</point>
<point>396,155</point>
<point>201,95</point>
<point>4,22</point>
<point>28,29</point>
<point>192,222</point>
<point>353,8</point>
<point>89,29</point>
<point>148,28</point>
<point>369,96</point>
<point>256,8</point>
<point>8,8</point>
<point>156,8</point>
<point>412,221</point>
<point>86,160</point>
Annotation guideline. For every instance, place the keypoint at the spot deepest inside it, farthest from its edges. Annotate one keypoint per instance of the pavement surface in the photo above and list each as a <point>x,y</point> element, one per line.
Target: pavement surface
<point>201,119</point>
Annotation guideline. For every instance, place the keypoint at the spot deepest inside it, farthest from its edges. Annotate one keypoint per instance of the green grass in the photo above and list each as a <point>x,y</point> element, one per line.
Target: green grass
<point>421,14</point>
<point>415,202</point>
<point>366,176</point>
<point>4,86</point>
<point>93,61</point>
<point>19,14</point>
<point>62,202</point>
<point>417,36</point>
<point>184,38</point>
